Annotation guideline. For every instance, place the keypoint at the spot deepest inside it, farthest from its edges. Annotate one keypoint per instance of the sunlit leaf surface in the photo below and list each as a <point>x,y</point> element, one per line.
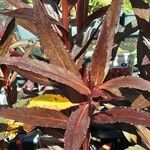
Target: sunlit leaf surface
<point>51,101</point>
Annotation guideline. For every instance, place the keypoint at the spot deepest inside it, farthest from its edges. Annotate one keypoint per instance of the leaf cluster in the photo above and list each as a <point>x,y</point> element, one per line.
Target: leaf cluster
<point>83,86</point>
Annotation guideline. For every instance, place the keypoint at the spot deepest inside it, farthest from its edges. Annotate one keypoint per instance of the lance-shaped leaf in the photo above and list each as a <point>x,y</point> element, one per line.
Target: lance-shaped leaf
<point>22,13</point>
<point>98,13</point>
<point>126,31</point>
<point>51,101</point>
<point>25,18</point>
<point>141,10</point>
<point>19,3</point>
<point>36,116</point>
<point>27,14</point>
<point>127,115</point>
<point>81,13</point>
<point>42,72</point>
<point>126,82</point>
<point>65,14</point>
<point>77,128</point>
<point>6,39</point>
<point>84,39</point>
<point>50,42</point>
<point>102,53</point>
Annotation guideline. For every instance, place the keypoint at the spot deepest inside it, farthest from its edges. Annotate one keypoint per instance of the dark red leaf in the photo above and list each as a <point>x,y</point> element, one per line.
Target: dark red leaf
<point>127,115</point>
<point>2,83</point>
<point>30,26</point>
<point>36,116</point>
<point>27,14</point>
<point>102,53</point>
<point>24,16</point>
<point>127,82</point>
<point>126,31</point>
<point>6,38</point>
<point>42,72</point>
<point>105,94</point>
<point>84,39</point>
<point>63,28</point>
<point>22,13</point>
<point>65,14</point>
<point>77,128</point>
<point>118,72</point>
<point>98,13</point>
<point>19,3</point>
<point>81,13</point>
<point>6,73</point>
<point>50,42</point>
<point>141,10</point>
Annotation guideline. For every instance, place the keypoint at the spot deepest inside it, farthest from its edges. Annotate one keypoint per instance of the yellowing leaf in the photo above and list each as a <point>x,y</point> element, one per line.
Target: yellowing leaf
<point>51,101</point>
<point>13,125</point>
<point>9,128</point>
<point>11,134</point>
<point>130,137</point>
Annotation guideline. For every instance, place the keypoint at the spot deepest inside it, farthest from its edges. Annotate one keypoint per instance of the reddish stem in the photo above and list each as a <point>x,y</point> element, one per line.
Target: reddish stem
<point>82,13</point>
<point>65,14</point>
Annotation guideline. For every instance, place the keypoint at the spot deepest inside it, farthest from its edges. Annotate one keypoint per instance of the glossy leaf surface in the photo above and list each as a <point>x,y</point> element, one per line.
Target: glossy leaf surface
<point>42,72</point>
<point>102,53</point>
<point>127,82</point>
<point>6,38</point>
<point>127,115</point>
<point>27,14</point>
<point>50,41</point>
<point>36,116</point>
<point>77,128</point>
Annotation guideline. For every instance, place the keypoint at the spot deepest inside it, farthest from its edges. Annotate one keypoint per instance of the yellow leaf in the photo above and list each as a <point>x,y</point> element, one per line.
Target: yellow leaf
<point>12,125</point>
<point>130,137</point>
<point>9,128</point>
<point>51,101</point>
<point>11,134</point>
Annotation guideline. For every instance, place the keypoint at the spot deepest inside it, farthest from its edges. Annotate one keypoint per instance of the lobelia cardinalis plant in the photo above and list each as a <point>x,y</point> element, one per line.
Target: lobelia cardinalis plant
<point>84,84</point>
